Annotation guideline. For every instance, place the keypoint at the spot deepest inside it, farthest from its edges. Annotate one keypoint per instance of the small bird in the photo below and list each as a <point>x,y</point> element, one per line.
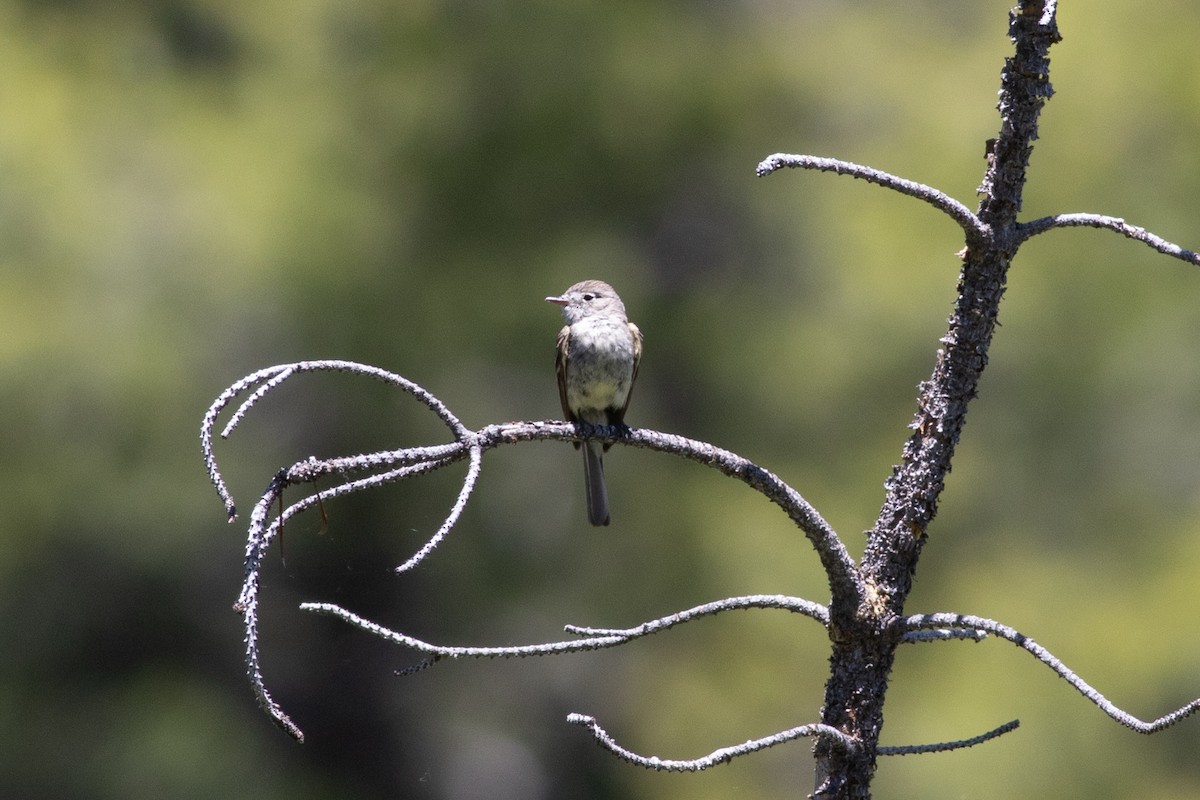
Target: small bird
<point>598,354</point>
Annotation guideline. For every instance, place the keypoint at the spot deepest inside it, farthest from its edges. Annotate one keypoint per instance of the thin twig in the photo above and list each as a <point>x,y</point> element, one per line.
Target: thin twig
<point>1027,230</point>
<point>806,607</point>
<point>942,747</point>
<point>451,651</point>
<point>719,756</point>
<point>260,536</point>
<point>591,638</point>
<point>247,604</point>
<point>958,212</point>
<point>456,510</point>
<point>407,462</point>
<point>264,380</point>
<point>923,621</point>
<point>944,635</point>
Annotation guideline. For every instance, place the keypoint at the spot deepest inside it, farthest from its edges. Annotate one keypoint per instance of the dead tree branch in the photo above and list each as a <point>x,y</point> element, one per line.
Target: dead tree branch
<point>1027,230</point>
<point>393,465</point>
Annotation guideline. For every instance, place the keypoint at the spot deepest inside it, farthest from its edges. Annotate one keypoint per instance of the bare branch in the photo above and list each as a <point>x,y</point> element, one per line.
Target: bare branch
<point>1027,230</point>
<point>455,512</point>
<point>264,380</point>
<point>451,651</point>
<point>815,610</point>
<point>958,212</point>
<point>593,638</point>
<point>720,756</point>
<point>941,747</point>
<point>923,621</point>
<point>834,556</point>
<point>844,579</point>
<point>393,465</point>
<point>247,604</point>
<point>944,635</point>
<point>258,542</point>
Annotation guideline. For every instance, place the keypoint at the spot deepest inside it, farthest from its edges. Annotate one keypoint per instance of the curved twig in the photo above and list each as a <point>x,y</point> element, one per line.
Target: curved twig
<point>838,564</point>
<point>924,621</point>
<point>264,380</point>
<point>720,756</point>
<point>1026,230</point>
<point>590,638</point>
<point>844,580</point>
<point>456,510</point>
<point>942,747</point>
<point>966,219</point>
<point>261,534</point>
<point>806,607</point>
<point>452,651</point>
<point>247,605</point>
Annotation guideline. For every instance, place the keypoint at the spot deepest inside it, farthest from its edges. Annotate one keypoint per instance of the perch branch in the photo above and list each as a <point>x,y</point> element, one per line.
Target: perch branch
<point>837,561</point>
<point>393,465</point>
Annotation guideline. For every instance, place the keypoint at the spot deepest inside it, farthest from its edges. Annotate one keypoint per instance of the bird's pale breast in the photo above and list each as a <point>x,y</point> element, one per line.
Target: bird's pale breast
<point>601,366</point>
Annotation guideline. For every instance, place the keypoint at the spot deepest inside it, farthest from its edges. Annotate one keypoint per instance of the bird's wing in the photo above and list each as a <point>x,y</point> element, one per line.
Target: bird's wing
<point>636,333</point>
<point>560,369</point>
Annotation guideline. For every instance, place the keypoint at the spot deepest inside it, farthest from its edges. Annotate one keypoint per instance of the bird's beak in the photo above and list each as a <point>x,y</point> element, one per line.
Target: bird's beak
<point>558,301</point>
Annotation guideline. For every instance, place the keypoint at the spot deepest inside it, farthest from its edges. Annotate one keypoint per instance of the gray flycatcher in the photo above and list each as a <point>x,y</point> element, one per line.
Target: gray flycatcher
<point>598,354</point>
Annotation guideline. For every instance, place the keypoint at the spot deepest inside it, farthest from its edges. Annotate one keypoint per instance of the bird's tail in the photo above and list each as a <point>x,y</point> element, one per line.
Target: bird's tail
<point>593,474</point>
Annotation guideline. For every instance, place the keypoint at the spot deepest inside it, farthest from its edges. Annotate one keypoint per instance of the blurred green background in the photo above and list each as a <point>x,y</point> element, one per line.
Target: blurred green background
<point>194,189</point>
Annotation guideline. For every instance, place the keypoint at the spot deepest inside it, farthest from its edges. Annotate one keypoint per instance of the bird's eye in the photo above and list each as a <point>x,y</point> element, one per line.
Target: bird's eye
<point>589,297</point>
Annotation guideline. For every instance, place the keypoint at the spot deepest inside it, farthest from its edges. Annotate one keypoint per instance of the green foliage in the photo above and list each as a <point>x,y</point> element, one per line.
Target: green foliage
<point>193,189</point>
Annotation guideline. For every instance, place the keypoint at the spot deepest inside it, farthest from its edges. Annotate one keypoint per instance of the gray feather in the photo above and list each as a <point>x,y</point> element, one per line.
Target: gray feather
<point>593,475</point>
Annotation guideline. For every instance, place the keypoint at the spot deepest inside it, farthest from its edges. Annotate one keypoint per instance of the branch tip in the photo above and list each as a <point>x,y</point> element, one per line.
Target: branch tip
<point>972,226</point>
<point>964,621</point>
<point>1028,230</point>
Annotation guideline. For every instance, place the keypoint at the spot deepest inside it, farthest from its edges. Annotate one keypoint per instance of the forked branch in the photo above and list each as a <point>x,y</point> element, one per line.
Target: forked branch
<point>392,465</point>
